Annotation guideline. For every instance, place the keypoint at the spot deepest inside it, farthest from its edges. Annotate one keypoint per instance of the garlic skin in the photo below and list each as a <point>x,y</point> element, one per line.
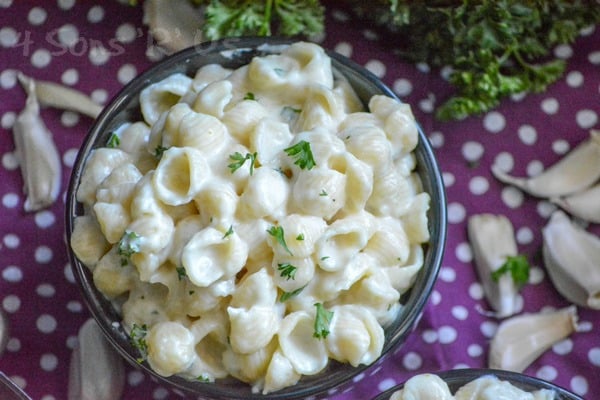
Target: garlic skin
<point>578,170</point>
<point>96,371</point>
<point>584,204</point>
<point>37,154</point>
<point>492,240</point>
<point>58,96</point>
<point>571,256</point>
<point>521,339</point>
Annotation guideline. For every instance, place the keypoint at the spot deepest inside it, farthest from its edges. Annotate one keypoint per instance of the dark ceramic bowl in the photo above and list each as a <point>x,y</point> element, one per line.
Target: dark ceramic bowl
<point>233,53</point>
<point>459,377</point>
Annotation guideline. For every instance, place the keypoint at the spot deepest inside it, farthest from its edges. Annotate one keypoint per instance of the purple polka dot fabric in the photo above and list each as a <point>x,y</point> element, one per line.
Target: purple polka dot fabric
<point>97,47</point>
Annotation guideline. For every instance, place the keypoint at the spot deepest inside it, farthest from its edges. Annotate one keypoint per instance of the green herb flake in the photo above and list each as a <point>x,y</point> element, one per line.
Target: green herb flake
<point>517,266</point>
<point>278,234</point>
<point>128,246</point>
<point>322,320</point>
<point>302,154</point>
<point>249,96</point>
<point>287,271</point>
<point>159,150</point>
<point>181,273</point>
<point>137,338</point>
<point>114,141</point>
<point>240,160</point>
<point>285,296</point>
<point>229,232</point>
<point>323,193</point>
<point>300,236</point>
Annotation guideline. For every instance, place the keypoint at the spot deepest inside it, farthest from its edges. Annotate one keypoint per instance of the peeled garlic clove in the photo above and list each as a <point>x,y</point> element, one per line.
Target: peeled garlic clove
<point>37,155</point>
<point>96,371</point>
<point>492,241</point>
<point>58,96</point>
<point>174,24</point>
<point>572,259</point>
<point>4,332</point>
<point>584,204</point>
<point>520,340</point>
<point>576,171</point>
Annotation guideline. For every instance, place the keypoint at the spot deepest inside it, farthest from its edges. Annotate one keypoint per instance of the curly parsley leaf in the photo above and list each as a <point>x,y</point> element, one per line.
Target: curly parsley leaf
<point>114,141</point>
<point>240,160</point>
<point>285,296</point>
<point>279,235</point>
<point>518,268</point>
<point>322,321</point>
<point>302,154</point>
<point>137,338</point>
<point>287,270</point>
<point>128,246</point>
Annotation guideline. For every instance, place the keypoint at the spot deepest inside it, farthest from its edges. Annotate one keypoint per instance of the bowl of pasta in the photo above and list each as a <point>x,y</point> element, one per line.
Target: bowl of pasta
<point>476,383</point>
<point>256,218</point>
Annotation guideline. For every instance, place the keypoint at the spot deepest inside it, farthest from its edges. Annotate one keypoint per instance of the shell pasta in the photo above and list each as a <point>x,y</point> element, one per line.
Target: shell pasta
<point>257,222</point>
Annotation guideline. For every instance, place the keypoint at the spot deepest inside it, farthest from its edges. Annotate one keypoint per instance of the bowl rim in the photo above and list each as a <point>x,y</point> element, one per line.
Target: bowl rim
<point>461,376</point>
<point>104,313</point>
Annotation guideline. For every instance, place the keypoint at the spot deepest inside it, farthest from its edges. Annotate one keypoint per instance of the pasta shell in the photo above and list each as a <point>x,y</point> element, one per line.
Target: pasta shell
<point>521,339</point>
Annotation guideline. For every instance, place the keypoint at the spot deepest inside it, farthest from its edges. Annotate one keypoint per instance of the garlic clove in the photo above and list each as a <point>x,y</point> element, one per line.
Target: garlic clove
<point>521,339</point>
<point>492,241</point>
<point>576,171</point>
<point>96,371</point>
<point>174,24</point>
<point>58,96</point>
<point>571,256</point>
<point>584,204</point>
<point>37,155</point>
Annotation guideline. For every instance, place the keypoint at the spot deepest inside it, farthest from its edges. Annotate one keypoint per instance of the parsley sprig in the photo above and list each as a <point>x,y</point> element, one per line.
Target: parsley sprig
<point>128,246</point>
<point>279,235</point>
<point>517,267</point>
<point>322,320</point>
<point>287,270</point>
<point>302,154</point>
<point>240,160</point>
<point>137,338</point>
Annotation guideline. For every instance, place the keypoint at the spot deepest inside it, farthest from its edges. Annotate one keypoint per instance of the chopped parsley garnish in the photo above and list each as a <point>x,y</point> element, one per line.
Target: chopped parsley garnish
<point>287,271</point>
<point>323,193</point>
<point>278,234</point>
<point>300,236</point>
<point>240,160</point>
<point>249,96</point>
<point>302,153</point>
<point>137,338</point>
<point>322,321</point>
<point>128,246</point>
<point>229,232</point>
<point>517,267</point>
<point>181,273</point>
<point>114,141</point>
<point>285,296</point>
<point>159,150</point>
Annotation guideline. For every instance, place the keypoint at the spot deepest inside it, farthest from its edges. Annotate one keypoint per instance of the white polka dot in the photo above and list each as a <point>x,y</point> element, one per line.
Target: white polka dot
<point>436,297</point>
<point>504,161</point>
<point>456,213</point>
<point>134,378</point>
<point>535,167</point>
<point>460,313</point>
<point>44,219</point>
<point>545,208</point>
<point>74,306</point>
<point>563,51</point>
<point>463,252</point>
<point>370,34</point>
<point>476,291</point>
<point>48,362</point>
<point>527,134</point>
<point>69,157</point>
<point>550,106</point>
<point>8,79</point>
<point>446,72</point>
<point>69,119</point>
<point>126,73</point>
<point>41,58</point>
<point>574,79</point>
<point>524,235</point>
<point>10,161</point>
<point>579,385</point>
<point>488,328</point>
<point>95,14</point>
<point>447,274</point>
<point>430,336</point>
<point>12,273</point>
<point>586,118</point>
<point>13,345</point>
<point>66,4</point>
<point>594,356</point>
<point>472,151</point>
<point>45,290</point>
<point>37,16</point>
<point>126,33</point>
<point>587,31</point>
<point>376,67</point>
<point>474,350</point>
<point>518,96</point>
<point>99,55</point>
<point>478,185</point>
<point>560,146</point>
<point>448,179</point>
<point>5,3</point>
<point>423,67</point>
<point>48,397</point>
<point>68,35</point>
<point>402,87</point>
<point>68,271</point>
<point>100,96</point>
<point>427,105</point>
<point>536,275</point>
<point>386,384</point>
<point>412,361</point>
<point>11,241</point>
<point>46,323</point>
<point>11,303</point>
<point>585,326</point>
<point>547,373</point>
<point>8,37</point>
<point>594,57</point>
<point>10,200</point>
<point>160,393</point>
<point>72,342</point>
<point>344,48</point>
<point>436,139</point>
<point>7,122</point>
<point>43,254</point>
<point>563,347</point>
<point>494,122</point>
<point>70,77</point>
<point>512,197</point>
<point>447,334</point>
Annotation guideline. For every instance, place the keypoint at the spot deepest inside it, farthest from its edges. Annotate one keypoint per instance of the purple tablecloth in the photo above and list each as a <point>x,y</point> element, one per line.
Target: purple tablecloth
<point>97,47</point>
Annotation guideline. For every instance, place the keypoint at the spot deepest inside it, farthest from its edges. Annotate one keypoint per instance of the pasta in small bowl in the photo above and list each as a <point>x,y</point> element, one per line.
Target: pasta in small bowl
<point>256,218</point>
<point>476,384</point>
